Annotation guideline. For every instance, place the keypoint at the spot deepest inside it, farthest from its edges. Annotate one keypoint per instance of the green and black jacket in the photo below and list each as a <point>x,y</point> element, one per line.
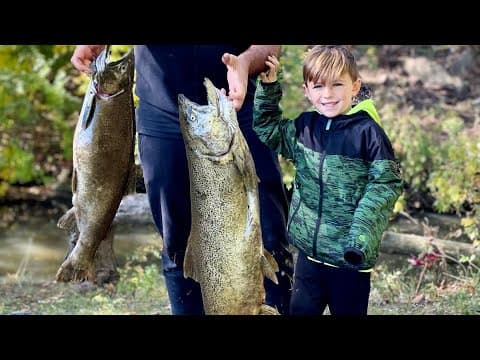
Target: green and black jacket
<point>347,179</point>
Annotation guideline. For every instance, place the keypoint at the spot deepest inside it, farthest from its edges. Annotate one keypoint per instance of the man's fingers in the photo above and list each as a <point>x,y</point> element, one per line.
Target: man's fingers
<point>226,59</point>
<point>235,98</point>
<point>229,60</point>
<point>80,65</point>
<point>237,104</point>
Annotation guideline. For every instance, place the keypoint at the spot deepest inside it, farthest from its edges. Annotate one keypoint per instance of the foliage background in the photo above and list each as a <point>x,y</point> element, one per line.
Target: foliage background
<point>435,132</point>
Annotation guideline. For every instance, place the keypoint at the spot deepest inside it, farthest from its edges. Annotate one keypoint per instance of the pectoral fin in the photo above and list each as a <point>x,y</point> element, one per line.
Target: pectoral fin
<point>268,310</point>
<point>68,221</point>
<point>188,265</point>
<point>269,266</point>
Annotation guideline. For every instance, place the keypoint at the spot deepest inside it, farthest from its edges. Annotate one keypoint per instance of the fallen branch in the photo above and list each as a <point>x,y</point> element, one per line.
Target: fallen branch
<point>134,210</point>
<point>408,244</point>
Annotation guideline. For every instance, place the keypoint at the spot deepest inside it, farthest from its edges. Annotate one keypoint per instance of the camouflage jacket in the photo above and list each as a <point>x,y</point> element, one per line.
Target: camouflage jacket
<point>347,179</point>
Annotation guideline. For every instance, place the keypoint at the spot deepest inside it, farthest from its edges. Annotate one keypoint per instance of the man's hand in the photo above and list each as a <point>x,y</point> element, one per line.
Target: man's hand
<point>273,66</point>
<point>84,55</point>
<point>249,63</point>
<point>237,77</point>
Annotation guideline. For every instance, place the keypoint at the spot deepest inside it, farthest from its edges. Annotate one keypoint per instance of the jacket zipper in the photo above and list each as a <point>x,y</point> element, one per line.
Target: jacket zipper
<point>320,203</point>
<point>320,195</point>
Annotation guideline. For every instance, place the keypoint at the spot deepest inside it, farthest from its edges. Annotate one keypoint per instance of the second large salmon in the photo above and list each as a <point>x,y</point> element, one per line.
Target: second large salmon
<point>225,253</point>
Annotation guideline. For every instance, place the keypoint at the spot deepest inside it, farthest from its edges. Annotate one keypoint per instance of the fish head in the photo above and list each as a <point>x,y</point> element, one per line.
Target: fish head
<point>208,129</point>
<point>115,77</point>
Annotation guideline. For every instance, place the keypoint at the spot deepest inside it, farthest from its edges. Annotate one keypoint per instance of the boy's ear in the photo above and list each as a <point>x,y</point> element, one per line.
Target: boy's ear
<point>356,87</point>
<point>305,89</point>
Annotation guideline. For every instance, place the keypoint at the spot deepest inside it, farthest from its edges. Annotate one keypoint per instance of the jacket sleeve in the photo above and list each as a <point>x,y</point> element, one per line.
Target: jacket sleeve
<point>375,207</point>
<point>277,133</point>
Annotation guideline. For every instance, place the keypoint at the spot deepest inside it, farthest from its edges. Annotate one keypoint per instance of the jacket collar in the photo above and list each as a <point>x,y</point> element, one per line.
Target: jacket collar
<point>368,106</point>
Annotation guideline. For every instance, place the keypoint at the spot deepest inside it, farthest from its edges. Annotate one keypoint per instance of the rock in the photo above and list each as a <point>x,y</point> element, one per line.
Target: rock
<point>134,209</point>
<point>431,74</point>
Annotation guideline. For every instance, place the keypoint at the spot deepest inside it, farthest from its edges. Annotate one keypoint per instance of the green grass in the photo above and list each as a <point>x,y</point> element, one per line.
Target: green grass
<point>141,291</point>
<point>443,290</point>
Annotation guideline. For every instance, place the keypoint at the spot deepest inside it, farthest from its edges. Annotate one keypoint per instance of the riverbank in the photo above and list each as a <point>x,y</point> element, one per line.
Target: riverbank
<point>398,287</point>
<point>141,291</point>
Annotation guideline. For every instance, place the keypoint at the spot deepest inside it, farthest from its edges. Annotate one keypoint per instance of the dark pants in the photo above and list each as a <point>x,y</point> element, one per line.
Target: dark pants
<point>316,285</point>
<point>165,172</point>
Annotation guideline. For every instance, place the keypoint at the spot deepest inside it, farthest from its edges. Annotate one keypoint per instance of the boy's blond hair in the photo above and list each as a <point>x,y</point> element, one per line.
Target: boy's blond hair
<point>328,62</point>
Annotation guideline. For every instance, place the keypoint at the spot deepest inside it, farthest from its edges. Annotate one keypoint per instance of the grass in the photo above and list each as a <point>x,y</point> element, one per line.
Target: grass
<point>442,290</point>
<point>141,291</point>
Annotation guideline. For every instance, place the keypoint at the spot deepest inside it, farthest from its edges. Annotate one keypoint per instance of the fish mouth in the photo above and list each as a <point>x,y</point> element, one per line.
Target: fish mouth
<point>107,96</point>
<point>216,138</point>
<point>213,94</point>
<point>216,100</point>
<point>184,103</point>
<point>100,65</point>
<point>182,100</point>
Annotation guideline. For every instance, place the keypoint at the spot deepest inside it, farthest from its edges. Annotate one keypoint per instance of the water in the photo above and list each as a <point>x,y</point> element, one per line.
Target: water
<point>35,248</point>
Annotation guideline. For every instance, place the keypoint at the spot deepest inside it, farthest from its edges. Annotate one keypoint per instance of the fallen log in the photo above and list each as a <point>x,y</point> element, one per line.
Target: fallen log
<point>134,210</point>
<point>409,244</point>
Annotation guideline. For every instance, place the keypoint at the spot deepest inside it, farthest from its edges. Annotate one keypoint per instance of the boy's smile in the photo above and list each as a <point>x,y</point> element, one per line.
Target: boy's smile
<point>332,97</point>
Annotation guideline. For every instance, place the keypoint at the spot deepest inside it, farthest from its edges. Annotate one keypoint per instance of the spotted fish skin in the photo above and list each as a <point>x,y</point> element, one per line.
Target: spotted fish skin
<point>225,253</point>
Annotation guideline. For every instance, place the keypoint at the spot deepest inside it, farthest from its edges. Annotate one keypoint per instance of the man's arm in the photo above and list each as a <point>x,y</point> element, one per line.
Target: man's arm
<point>250,62</point>
<point>256,55</point>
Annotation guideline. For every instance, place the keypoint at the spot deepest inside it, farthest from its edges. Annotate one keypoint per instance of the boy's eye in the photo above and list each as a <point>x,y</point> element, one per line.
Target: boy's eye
<point>317,86</point>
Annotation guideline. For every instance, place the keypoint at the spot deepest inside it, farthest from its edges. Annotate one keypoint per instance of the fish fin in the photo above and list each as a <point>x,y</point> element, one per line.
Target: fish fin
<point>268,310</point>
<point>269,266</point>
<point>188,268</point>
<point>68,220</point>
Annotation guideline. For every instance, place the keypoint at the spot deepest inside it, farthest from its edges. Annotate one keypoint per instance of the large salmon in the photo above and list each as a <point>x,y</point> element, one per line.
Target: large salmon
<point>103,168</point>
<point>225,252</point>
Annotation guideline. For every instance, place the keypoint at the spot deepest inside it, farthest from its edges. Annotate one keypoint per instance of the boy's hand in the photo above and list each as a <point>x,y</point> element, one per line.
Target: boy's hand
<point>273,66</point>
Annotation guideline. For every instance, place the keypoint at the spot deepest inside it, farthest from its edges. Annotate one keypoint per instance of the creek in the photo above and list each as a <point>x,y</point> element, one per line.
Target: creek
<point>34,248</point>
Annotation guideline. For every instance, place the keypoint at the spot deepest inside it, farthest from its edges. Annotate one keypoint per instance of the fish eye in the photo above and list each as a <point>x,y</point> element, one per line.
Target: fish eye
<point>192,117</point>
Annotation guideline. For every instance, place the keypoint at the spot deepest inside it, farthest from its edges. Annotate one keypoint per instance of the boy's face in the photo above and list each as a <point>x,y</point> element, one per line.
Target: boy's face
<point>333,97</point>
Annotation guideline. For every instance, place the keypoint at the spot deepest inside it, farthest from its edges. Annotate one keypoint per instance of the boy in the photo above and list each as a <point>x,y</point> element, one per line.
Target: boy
<point>346,184</point>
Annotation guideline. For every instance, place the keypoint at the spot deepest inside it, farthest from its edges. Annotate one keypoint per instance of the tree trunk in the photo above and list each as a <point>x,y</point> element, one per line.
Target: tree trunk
<point>397,243</point>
